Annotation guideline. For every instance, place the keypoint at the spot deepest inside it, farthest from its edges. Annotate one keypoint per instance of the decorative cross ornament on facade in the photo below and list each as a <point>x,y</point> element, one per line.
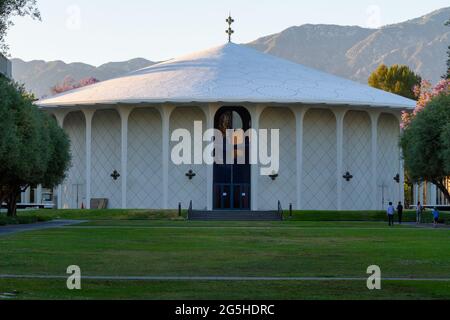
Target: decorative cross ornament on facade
<point>115,175</point>
<point>190,174</point>
<point>348,176</point>
<point>397,178</point>
<point>230,31</point>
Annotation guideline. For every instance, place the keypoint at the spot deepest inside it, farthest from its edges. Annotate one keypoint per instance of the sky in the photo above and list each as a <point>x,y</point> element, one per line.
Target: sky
<point>100,31</point>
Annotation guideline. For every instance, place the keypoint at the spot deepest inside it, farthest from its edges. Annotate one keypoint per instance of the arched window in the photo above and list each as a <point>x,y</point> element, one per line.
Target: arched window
<point>229,120</point>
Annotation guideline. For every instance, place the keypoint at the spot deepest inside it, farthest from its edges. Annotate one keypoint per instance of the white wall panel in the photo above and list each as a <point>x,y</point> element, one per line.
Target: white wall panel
<point>106,153</point>
<point>181,189</point>
<point>284,188</point>
<point>388,160</point>
<point>144,160</point>
<point>319,161</point>
<point>357,161</point>
<point>74,187</point>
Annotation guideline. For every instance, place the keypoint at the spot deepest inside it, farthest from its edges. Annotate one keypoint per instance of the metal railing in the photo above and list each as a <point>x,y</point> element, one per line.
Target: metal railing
<point>280,210</point>
<point>189,213</point>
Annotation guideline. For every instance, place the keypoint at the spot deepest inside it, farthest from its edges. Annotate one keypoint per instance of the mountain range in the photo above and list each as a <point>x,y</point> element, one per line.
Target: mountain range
<point>349,51</point>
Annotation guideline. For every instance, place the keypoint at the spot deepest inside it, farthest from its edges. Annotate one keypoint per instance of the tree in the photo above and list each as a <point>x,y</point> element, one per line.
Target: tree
<point>425,93</point>
<point>397,79</point>
<point>33,149</point>
<point>11,8</point>
<point>426,143</point>
<point>447,75</point>
<point>70,84</point>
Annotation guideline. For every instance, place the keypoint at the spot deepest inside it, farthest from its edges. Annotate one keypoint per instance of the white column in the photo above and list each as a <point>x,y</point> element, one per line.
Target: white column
<point>166,111</point>
<point>38,198</point>
<point>60,115</point>
<point>416,194</point>
<point>340,115</point>
<point>34,193</point>
<point>124,112</point>
<point>401,187</point>
<point>89,115</point>
<point>255,170</point>
<point>420,189</point>
<point>374,116</point>
<point>210,112</point>
<point>401,167</point>
<point>433,195</point>
<point>299,117</point>
<point>28,195</point>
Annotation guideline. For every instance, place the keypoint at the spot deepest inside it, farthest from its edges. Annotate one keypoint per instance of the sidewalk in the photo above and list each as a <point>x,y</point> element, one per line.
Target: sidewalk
<point>426,225</point>
<point>16,228</point>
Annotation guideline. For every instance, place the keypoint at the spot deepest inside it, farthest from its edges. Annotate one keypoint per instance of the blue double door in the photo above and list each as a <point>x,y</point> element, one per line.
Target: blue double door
<point>233,192</point>
<point>232,182</point>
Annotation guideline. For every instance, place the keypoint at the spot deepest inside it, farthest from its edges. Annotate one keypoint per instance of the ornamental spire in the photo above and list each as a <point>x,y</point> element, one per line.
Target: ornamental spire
<point>229,31</point>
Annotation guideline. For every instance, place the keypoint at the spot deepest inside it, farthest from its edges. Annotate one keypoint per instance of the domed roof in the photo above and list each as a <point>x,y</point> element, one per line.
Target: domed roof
<point>230,73</point>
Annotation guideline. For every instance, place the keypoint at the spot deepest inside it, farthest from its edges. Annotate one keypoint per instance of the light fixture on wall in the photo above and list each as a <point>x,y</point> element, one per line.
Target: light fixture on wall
<point>397,178</point>
<point>115,175</point>
<point>348,176</point>
<point>190,174</point>
<point>273,176</point>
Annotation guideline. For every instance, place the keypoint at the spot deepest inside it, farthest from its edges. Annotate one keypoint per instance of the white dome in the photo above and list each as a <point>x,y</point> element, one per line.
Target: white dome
<point>230,74</point>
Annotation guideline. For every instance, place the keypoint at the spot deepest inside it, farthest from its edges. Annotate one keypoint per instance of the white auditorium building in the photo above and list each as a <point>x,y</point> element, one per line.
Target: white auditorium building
<point>339,140</point>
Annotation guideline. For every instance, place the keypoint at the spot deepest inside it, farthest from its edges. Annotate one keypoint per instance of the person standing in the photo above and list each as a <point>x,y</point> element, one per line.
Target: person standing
<point>419,211</point>
<point>400,212</point>
<point>390,213</point>
<point>435,217</point>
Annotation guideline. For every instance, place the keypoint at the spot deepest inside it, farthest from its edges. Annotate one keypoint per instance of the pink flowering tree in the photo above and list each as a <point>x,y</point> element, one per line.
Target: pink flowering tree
<point>70,84</point>
<point>426,137</point>
<point>425,93</point>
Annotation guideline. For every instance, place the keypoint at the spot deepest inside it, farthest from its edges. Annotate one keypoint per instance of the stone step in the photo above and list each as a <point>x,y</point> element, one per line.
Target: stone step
<point>235,216</point>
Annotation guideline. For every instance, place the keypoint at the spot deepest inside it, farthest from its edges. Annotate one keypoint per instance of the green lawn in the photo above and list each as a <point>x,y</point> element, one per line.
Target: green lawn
<point>172,215</point>
<point>117,214</point>
<point>264,290</point>
<point>121,245</point>
<point>22,219</point>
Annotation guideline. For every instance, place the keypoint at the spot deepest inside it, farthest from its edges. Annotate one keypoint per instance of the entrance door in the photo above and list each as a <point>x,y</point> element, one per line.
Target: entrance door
<point>232,181</point>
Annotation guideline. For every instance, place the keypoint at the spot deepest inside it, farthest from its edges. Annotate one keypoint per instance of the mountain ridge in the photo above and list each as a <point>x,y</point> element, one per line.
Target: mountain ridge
<point>352,52</point>
<point>40,76</point>
<point>421,43</point>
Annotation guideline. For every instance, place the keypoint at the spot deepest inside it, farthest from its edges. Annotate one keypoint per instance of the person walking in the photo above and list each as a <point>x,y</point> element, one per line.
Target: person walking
<point>419,211</point>
<point>435,217</point>
<point>400,212</point>
<point>390,213</point>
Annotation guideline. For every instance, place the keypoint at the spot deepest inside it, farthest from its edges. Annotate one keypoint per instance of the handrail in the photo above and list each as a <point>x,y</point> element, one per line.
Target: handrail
<point>280,210</point>
<point>190,210</point>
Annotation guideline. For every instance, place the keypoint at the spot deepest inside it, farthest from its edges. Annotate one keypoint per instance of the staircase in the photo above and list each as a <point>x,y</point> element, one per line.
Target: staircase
<point>235,216</point>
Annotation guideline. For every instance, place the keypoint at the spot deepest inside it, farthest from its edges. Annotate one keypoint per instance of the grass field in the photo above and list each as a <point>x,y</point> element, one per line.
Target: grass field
<point>22,219</point>
<point>143,243</point>
<point>43,215</point>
